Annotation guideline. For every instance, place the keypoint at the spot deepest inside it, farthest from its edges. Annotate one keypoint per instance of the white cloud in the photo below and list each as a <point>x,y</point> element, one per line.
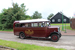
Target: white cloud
<point>44,6</point>
<point>5,4</point>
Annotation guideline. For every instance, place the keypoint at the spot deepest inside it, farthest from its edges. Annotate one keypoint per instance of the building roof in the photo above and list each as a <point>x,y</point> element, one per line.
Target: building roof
<point>58,13</point>
<point>32,20</point>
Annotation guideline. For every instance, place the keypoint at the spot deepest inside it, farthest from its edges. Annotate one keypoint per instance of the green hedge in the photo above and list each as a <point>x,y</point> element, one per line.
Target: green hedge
<point>0,27</point>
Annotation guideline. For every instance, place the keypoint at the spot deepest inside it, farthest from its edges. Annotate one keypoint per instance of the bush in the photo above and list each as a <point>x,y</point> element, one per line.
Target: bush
<point>0,27</point>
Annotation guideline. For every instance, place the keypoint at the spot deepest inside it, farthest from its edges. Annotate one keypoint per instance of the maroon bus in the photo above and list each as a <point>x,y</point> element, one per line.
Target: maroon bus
<point>36,28</point>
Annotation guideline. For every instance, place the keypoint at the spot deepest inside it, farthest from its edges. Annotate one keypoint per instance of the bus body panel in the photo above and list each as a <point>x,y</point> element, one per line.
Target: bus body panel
<point>37,31</point>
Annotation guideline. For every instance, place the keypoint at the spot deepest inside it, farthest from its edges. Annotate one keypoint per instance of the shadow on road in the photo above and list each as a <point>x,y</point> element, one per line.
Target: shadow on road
<point>39,39</point>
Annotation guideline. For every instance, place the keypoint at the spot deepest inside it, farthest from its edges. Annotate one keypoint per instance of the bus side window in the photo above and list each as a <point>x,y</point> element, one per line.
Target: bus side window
<point>29,25</point>
<point>21,25</point>
<point>34,24</point>
<point>16,25</point>
<point>39,24</point>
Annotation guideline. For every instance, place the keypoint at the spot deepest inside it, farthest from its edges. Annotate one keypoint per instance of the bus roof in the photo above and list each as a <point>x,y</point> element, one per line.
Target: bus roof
<point>32,20</point>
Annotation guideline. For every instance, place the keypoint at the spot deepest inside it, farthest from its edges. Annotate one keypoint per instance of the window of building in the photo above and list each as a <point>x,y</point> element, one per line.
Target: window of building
<point>59,20</point>
<point>53,20</point>
<point>64,20</point>
<point>70,22</point>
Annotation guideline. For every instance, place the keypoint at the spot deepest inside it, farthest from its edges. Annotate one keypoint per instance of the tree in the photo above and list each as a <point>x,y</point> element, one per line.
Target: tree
<point>28,17</point>
<point>50,16</point>
<point>19,12</point>
<point>11,14</point>
<point>36,15</point>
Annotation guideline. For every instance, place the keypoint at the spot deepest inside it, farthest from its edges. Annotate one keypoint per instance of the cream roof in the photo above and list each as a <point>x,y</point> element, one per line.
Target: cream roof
<point>32,20</point>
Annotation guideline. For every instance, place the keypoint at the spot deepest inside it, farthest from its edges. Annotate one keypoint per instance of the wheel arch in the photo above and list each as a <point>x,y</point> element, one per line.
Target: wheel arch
<point>54,33</point>
<point>21,32</point>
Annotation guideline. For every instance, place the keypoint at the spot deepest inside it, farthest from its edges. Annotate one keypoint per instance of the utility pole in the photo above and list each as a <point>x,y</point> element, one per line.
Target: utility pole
<point>62,23</point>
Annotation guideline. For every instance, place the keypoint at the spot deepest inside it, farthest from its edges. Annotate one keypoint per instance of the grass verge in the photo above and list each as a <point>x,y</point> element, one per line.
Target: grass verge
<point>68,27</point>
<point>7,30</point>
<point>60,24</point>
<point>21,46</point>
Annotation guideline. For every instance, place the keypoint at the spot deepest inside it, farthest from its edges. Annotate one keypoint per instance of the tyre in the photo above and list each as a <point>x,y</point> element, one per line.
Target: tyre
<point>22,36</point>
<point>54,37</point>
<point>60,35</point>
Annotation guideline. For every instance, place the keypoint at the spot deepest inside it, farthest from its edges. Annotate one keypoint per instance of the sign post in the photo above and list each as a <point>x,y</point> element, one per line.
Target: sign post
<point>65,26</point>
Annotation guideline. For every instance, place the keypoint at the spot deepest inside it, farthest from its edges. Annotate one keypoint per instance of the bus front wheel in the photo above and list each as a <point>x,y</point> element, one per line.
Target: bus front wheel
<point>54,37</point>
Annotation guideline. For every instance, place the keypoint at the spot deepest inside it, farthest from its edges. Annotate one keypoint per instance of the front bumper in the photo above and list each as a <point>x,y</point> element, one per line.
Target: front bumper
<point>60,34</point>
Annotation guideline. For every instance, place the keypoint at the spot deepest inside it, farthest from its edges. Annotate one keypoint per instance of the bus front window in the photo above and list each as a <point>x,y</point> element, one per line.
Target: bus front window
<point>44,24</point>
<point>48,23</point>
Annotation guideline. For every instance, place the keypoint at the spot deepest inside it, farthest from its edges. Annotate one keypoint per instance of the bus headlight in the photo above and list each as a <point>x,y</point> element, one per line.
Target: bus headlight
<point>59,29</point>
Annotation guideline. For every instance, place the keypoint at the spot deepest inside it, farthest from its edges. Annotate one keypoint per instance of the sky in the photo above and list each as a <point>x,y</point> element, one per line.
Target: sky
<point>45,7</point>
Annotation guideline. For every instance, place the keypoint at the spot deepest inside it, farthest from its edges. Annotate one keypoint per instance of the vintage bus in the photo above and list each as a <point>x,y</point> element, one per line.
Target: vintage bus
<point>36,28</point>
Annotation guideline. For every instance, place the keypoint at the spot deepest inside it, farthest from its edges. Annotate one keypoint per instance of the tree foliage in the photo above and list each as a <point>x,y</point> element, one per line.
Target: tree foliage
<point>36,15</point>
<point>50,16</point>
<point>8,16</point>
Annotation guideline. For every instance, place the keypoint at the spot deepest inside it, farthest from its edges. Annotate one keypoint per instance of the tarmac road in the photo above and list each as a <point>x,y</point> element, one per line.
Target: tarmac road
<point>67,42</point>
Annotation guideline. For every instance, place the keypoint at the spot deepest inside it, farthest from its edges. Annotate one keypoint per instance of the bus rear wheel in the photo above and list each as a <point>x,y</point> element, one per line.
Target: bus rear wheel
<point>55,37</point>
<point>22,35</point>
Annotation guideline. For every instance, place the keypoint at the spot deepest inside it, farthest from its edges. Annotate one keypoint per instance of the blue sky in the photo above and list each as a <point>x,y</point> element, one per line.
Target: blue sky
<point>45,7</point>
